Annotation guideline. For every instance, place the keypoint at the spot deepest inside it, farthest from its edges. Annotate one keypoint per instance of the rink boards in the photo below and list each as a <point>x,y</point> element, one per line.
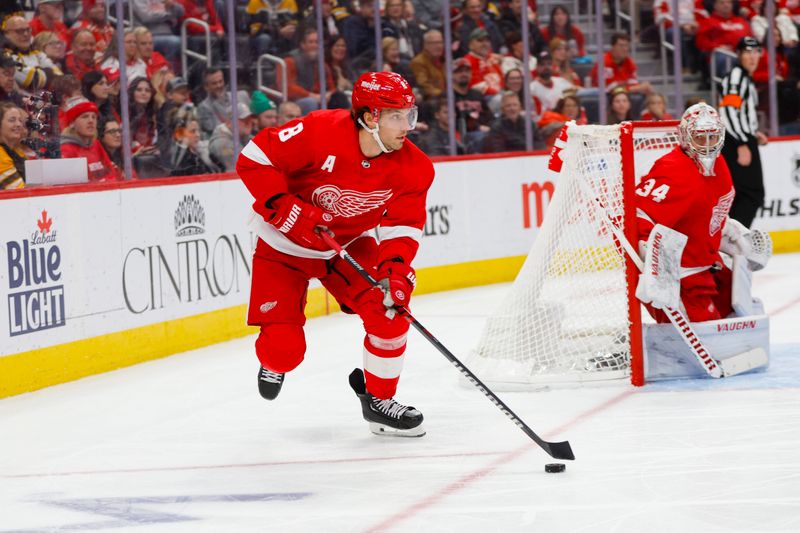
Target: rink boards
<point>99,277</point>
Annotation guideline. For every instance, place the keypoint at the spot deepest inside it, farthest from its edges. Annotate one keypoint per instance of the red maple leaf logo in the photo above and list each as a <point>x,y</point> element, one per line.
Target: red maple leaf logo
<point>45,223</point>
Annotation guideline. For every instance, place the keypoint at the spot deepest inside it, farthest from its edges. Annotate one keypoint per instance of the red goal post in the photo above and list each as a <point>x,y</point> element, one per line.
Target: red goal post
<point>571,315</point>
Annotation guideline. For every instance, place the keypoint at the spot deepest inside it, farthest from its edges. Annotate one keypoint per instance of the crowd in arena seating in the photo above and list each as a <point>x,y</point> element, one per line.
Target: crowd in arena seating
<point>61,92</point>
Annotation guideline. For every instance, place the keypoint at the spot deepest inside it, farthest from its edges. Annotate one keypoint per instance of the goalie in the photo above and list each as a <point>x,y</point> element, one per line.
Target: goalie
<point>682,209</point>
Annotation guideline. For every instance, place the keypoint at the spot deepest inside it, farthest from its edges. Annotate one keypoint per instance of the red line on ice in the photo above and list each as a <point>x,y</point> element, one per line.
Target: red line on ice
<point>464,481</point>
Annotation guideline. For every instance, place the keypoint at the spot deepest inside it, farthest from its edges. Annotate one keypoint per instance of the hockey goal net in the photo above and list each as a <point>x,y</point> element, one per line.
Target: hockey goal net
<point>571,315</point>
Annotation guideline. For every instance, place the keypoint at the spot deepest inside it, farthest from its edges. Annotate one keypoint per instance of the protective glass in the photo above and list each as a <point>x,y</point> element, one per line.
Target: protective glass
<point>400,118</point>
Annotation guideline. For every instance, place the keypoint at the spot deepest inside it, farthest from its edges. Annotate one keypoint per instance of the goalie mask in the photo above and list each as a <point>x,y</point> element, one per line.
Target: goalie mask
<point>385,91</point>
<point>701,135</point>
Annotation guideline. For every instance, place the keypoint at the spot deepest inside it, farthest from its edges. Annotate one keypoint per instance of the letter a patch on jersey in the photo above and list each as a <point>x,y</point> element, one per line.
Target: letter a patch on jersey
<point>328,164</point>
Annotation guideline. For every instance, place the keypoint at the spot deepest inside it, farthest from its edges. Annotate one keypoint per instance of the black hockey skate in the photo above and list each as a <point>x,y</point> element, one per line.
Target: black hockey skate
<point>386,417</point>
<point>269,383</point>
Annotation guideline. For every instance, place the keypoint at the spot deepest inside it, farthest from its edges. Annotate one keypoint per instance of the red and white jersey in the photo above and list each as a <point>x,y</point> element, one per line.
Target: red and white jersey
<point>678,196</point>
<point>319,159</point>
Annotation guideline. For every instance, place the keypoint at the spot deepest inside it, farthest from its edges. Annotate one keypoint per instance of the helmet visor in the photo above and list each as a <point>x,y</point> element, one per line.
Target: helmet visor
<point>405,118</point>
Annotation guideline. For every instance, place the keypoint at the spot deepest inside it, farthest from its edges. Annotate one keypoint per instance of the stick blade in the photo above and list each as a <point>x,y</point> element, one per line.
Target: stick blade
<point>559,450</point>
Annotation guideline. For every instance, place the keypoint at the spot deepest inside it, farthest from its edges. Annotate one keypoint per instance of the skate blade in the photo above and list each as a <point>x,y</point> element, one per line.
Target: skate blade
<point>388,431</point>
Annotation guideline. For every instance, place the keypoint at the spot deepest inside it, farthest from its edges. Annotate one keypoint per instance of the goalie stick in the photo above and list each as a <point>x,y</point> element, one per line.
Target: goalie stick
<point>557,450</point>
<point>731,366</point>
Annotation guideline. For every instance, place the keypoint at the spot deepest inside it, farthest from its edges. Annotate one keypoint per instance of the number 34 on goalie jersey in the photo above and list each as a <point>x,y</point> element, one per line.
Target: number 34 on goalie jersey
<point>648,188</point>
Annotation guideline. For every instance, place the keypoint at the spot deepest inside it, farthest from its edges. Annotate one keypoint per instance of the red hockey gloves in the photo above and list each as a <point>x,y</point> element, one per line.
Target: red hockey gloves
<point>398,281</point>
<point>299,221</point>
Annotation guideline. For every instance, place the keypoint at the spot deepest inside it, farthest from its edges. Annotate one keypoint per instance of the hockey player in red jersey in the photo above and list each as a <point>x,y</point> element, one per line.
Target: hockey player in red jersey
<point>354,174</point>
<point>689,190</point>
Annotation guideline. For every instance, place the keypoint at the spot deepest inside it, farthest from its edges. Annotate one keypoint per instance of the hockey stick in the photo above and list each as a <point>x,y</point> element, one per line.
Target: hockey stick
<point>716,369</point>
<point>557,450</point>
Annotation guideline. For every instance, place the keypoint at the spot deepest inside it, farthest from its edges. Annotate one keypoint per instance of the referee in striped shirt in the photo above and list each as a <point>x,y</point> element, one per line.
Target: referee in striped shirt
<point>738,110</point>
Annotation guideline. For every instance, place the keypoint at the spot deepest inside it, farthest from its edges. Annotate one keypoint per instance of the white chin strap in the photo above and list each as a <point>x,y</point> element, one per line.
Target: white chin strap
<point>374,132</point>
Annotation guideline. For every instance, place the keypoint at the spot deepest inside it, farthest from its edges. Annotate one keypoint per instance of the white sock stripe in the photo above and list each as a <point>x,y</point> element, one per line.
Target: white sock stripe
<point>383,367</point>
<point>387,344</point>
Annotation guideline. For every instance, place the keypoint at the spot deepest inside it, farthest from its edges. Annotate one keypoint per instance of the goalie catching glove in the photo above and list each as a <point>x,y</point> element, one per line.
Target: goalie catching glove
<point>660,279</point>
<point>753,244</point>
<point>398,281</point>
<point>299,220</point>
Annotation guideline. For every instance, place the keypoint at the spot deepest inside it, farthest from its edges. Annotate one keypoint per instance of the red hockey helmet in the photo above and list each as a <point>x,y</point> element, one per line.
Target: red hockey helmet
<point>379,90</point>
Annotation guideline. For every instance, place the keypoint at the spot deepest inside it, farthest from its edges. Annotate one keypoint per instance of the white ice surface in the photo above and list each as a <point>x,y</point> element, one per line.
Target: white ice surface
<point>187,444</point>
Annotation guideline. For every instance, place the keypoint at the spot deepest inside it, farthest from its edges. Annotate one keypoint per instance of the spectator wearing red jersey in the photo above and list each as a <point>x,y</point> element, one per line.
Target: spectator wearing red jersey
<point>562,67</point>
<point>551,122</point>
<point>620,69</point>
<point>134,66</point>
<point>690,14</point>
<point>206,11</point>
<point>81,59</point>
<point>50,17</point>
<point>93,18</point>
<point>487,76</point>
<point>79,139</point>
<point>722,29</point>
<point>788,86</point>
<point>153,60</point>
<point>561,26</point>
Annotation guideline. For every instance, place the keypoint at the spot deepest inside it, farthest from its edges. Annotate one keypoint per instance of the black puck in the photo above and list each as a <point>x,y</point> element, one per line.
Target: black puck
<point>554,468</point>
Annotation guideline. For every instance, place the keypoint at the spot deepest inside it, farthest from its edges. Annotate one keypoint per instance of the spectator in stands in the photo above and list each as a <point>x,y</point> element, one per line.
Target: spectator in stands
<point>264,111</point>
<point>96,89</point>
<point>52,46</point>
<point>217,104</point>
<point>178,96</point>
<point>79,139</point>
<point>8,86</point>
<point>619,106</point>
<point>551,122</point>
<point>546,89</point>
<point>162,19</point>
<point>188,156</point>
<point>81,59</point>
<point>655,108</point>
<point>561,26</point>
<point>562,67</point>
<point>154,61</point>
<point>148,143</point>
<point>392,62</point>
<point>788,87</point>
<point>336,58</point>
<point>436,141</point>
<point>221,146</point>
<point>64,88</point>
<point>206,11</point>
<point>407,32</point>
<point>35,68</point>
<point>272,25</point>
<point>93,18</point>
<point>332,19</point>
<point>513,59</point>
<point>288,111</point>
<point>472,113</point>
<point>722,29</point>
<point>514,82</point>
<point>620,69</point>
<point>359,34</point>
<point>507,133</point>
<point>511,23</point>
<point>690,13</point>
<point>487,77</point>
<point>50,17</point>
<point>428,65</point>
<point>12,154</point>
<point>428,14</point>
<point>783,23</point>
<point>474,18</point>
<point>302,72</point>
<point>134,66</point>
<point>109,133</point>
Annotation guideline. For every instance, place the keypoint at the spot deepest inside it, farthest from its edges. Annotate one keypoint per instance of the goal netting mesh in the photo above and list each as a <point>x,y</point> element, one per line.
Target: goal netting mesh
<point>566,317</point>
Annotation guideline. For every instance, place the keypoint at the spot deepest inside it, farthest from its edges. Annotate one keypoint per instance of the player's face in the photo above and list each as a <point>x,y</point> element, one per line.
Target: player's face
<point>395,125</point>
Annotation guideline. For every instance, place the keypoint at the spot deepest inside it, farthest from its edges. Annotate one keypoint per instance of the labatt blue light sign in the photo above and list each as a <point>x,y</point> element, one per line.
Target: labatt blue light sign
<point>35,296</point>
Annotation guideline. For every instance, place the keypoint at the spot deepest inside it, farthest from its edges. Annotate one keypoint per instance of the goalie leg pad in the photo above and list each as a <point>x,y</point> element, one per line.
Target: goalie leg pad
<point>281,347</point>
